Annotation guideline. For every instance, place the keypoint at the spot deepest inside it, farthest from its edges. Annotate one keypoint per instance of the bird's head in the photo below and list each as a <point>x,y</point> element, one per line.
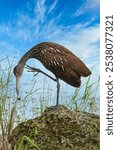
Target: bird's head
<point>18,70</point>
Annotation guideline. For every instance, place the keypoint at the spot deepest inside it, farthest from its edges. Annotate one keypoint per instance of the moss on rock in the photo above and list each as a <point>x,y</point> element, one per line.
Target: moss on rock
<point>59,129</point>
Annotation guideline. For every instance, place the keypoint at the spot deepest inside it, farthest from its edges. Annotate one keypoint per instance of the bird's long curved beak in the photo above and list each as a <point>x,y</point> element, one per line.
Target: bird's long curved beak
<point>17,86</point>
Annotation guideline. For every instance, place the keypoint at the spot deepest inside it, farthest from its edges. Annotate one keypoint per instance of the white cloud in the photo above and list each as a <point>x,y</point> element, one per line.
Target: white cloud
<point>89,5</point>
<point>83,41</point>
<point>53,5</point>
<point>24,34</point>
<point>31,29</point>
<point>40,10</point>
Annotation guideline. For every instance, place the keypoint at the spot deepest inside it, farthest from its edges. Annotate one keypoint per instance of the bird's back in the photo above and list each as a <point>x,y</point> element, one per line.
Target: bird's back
<point>62,62</point>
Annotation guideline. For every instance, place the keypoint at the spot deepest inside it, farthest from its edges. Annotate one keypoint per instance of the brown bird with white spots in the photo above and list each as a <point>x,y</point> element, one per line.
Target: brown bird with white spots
<point>59,60</point>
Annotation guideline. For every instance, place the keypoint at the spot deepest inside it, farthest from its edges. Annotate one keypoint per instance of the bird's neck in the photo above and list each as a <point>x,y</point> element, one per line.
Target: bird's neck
<point>30,54</point>
<point>23,60</point>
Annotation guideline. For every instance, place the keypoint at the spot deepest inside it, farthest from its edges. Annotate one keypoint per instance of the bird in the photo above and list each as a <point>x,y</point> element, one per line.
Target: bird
<point>63,63</point>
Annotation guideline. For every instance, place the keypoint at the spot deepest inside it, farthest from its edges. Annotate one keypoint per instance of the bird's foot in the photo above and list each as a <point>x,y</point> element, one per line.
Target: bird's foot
<point>32,69</point>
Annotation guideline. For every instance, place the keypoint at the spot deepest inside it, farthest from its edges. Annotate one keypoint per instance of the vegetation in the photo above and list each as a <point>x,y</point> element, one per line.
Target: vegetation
<point>59,129</point>
<point>14,111</point>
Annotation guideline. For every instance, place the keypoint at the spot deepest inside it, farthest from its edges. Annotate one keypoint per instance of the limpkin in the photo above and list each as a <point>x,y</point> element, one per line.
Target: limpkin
<point>59,60</point>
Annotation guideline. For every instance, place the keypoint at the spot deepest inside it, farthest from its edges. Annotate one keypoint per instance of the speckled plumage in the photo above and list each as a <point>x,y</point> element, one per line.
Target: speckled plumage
<point>59,60</point>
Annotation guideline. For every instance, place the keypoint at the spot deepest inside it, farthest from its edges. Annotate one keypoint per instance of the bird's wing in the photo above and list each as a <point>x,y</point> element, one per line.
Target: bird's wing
<point>79,67</point>
<point>57,58</point>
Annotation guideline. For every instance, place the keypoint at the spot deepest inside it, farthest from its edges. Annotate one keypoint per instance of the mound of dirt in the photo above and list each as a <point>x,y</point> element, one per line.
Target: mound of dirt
<point>58,129</point>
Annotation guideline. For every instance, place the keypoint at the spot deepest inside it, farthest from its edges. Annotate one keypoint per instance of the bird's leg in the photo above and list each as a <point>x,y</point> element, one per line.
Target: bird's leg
<point>58,90</point>
<point>32,69</point>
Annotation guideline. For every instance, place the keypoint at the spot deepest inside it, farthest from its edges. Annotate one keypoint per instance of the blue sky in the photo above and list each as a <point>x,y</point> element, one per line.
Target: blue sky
<point>24,23</point>
<point>72,23</point>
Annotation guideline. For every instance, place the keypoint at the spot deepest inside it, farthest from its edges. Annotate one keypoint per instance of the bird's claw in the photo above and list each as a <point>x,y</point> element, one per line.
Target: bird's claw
<point>32,69</point>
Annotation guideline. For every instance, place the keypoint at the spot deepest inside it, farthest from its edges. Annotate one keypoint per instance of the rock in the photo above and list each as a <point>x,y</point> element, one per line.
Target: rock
<point>59,129</point>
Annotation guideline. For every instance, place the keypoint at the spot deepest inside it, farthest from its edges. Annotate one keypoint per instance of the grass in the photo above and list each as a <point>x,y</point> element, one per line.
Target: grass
<point>88,100</point>
<point>26,139</point>
<point>13,111</point>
